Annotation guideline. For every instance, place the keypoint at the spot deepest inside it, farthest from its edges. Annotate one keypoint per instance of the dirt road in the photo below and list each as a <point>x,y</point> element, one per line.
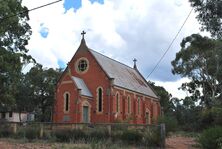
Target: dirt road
<point>173,142</point>
<point>180,142</point>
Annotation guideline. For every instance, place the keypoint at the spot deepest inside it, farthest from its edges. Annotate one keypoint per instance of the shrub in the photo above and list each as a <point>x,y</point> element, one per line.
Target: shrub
<point>28,133</point>
<point>5,132</point>
<point>70,135</point>
<point>151,137</point>
<point>78,134</point>
<point>99,134</point>
<point>131,136</point>
<point>211,138</point>
<point>62,135</point>
<point>170,123</point>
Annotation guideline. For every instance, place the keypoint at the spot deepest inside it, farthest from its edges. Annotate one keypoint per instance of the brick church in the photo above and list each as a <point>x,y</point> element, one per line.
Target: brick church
<point>97,89</point>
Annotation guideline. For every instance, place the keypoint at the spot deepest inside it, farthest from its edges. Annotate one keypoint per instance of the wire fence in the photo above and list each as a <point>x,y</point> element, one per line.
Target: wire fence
<point>64,131</point>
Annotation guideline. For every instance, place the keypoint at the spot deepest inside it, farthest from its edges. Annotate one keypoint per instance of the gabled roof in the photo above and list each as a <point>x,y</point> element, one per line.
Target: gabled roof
<point>80,84</point>
<point>123,75</point>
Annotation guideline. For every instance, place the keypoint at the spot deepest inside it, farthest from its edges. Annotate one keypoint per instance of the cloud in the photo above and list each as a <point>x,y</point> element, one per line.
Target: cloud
<point>173,87</point>
<point>122,30</point>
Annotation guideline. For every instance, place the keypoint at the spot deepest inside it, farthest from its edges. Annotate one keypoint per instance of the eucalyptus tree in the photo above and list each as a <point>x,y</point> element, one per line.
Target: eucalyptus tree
<point>209,15</point>
<point>200,60</point>
<point>14,35</point>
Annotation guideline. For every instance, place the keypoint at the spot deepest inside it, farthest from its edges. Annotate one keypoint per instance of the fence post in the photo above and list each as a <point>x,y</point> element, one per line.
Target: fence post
<point>15,128</point>
<point>162,134</point>
<point>41,130</point>
<point>109,129</point>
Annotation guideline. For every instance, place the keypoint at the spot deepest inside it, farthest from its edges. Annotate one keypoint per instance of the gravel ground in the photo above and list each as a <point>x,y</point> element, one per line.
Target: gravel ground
<point>173,142</point>
<point>180,142</point>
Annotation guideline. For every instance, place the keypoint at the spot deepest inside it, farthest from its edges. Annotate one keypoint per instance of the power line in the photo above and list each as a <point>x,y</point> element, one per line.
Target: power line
<point>7,17</point>
<point>170,45</point>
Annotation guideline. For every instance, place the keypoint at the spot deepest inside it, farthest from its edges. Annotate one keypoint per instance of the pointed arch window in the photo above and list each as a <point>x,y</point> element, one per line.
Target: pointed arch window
<point>100,99</point>
<point>117,102</point>
<point>66,101</point>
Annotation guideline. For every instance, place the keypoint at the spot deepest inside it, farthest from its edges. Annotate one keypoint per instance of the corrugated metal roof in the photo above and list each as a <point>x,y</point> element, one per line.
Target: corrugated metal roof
<point>124,76</point>
<point>81,85</point>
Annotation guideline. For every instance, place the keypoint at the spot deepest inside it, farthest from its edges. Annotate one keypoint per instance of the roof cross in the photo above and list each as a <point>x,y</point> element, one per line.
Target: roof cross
<point>83,33</point>
<point>134,60</point>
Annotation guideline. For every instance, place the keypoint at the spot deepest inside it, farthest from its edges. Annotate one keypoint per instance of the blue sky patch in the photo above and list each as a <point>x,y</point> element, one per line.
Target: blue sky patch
<point>99,1</point>
<point>44,31</point>
<point>61,64</point>
<point>68,4</point>
<point>76,4</point>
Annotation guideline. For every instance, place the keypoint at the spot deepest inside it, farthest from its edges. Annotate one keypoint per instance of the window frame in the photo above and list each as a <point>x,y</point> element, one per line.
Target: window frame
<point>99,100</point>
<point>78,70</point>
<point>66,105</point>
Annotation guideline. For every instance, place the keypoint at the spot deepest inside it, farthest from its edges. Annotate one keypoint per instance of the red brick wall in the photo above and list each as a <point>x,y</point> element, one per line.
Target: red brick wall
<point>95,77</point>
<point>98,79</point>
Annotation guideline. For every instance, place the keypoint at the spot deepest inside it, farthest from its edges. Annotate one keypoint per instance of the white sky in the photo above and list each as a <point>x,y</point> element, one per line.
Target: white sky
<point>120,29</point>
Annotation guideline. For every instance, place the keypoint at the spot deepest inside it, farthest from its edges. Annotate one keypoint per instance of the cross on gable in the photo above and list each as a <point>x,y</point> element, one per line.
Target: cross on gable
<point>83,33</point>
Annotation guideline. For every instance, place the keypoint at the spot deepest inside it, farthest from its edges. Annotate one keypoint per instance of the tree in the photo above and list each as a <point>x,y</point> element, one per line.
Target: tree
<point>200,60</point>
<point>24,100</point>
<point>209,15</point>
<point>42,83</point>
<point>14,36</point>
<point>165,98</point>
<point>187,113</point>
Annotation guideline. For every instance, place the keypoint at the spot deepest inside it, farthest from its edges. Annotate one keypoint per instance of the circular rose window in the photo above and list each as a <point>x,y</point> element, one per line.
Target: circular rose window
<point>82,65</point>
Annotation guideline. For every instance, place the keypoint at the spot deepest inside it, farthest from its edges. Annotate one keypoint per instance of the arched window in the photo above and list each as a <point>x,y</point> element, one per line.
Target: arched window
<point>138,106</point>
<point>100,99</point>
<point>117,102</point>
<point>129,104</point>
<point>66,101</point>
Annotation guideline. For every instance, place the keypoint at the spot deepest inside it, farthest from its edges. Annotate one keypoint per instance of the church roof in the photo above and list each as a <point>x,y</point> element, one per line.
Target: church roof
<point>80,84</point>
<point>123,75</point>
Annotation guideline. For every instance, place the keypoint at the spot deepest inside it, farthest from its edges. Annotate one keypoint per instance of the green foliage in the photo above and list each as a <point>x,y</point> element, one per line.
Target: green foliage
<point>199,60</point>
<point>29,133</point>
<point>70,135</point>
<point>99,134</point>
<point>209,15</point>
<point>151,137</point>
<point>40,84</point>
<point>165,98</point>
<point>14,36</point>
<point>217,115</point>
<point>5,132</point>
<point>131,136</point>
<point>211,138</point>
<point>170,123</point>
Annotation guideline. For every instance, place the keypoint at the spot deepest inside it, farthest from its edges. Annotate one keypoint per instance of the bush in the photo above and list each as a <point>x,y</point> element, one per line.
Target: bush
<point>131,136</point>
<point>211,138</point>
<point>151,137</point>
<point>5,132</point>
<point>99,134</point>
<point>28,133</point>
<point>70,135</point>
<point>170,123</point>
<point>63,135</point>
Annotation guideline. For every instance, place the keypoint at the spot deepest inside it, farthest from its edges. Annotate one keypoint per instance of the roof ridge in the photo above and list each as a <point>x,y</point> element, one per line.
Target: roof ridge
<point>112,59</point>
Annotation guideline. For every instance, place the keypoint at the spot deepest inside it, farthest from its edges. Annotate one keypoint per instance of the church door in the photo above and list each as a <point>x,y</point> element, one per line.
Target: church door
<point>85,114</point>
<point>147,116</point>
